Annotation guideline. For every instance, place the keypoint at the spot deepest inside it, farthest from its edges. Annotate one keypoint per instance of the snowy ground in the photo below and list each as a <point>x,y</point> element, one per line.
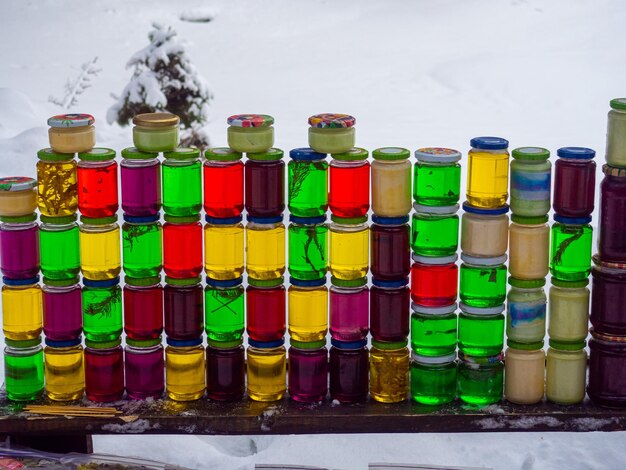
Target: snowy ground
<point>416,73</point>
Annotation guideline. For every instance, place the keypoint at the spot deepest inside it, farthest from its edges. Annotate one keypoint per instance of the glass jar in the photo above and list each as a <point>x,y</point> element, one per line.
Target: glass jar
<point>570,248</point>
<point>265,247</point>
<point>225,371</point>
<point>155,132</point>
<point>484,232</point>
<point>182,182</point>
<point>349,309</point>
<point>488,172</point>
<point>526,311</point>
<point>480,379</point>
<point>529,252</point>
<point>182,247</point>
<point>348,367</point>
<point>59,247</point>
<point>23,369</point>
<point>566,372</point>
<point>143,308</point>
<point>524,373</point>
<point>531,172</point>
<point>100,257</point>
<point>250,133</point>
<point>223,183</point>
<point>72,133</point>
<point>611,244</point>
<point>433,379</point>
<point>142,243</point>
<point>574,182</point>
<point>102,309</point>
<point>433,330</point>
<point>607,363</point>
<point>308,371</point>
<point>349,191</point>
<point>224,310</point>
<point>266,370</point>
<point>18,196</point>
<point>308,310</point>
<point>434,281</point>
<point>307,176</point>
<point>183,308</point>
<point>390,248</point>
<point>141,182</point>
<point>144,369</point>
<point>331,133</point>
<point>568,311</point>
<point>22,310</point>
<point>308,248</point>
<point>104,370</point>
<point>481,330</point>
<point>184,369</point>
<point>64,371</point>
<point>97,183</point>
<point>389,310</point>
<point>389,371</point>
<point>391,182</point>
<point>19,247</point>
<point>482,281</point>
<point>57,187</point>
<point>349,248</point>
<point>616,134</point>
<point>266,309</point>
<point>609,296</point>
<point>265,184</point>
<point>437,177</point>
<point>435,230</point>
<point>223,248</point>
<point>62,310</point>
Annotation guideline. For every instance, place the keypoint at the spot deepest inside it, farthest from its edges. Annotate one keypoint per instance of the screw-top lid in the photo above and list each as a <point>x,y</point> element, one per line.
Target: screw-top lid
<point>223,284</point>
<point>23,344</point>
<point>307,220</point>
<point>307,345</point>
<point>390,284</point>
<point>389,345</point>
<point>437,155</point>
<point>183,153</point>
<point>133,153</point>
<point>498,309</point>
<point>142,281</point>
<point>576,153</point>
<point>489,143</point>
<point>49,155</point>
<point>438,210</point>
<point>144,343</point>
<point>606,337</point>
<point>266,220</point>
<point>613,171</point>
<point>60,282</point>
<point>446,310</point>
<point>348,282</point>
<point>98,220</point>
<point>222,154</point>
<point>530,153</point>
<point>431,260</point>
<point>390,220</point>
<point>618,103</point>
<point>97,154</point>
<point>354,154</point>
<point>156,120</point>
<point>188,281</point>
<point>147,219</point>
<point>65,220</point>
<point>266,282</point>
<point>181,220</point>
<point>572,220</point>
<point>484,211</point>
<point>607,264</point>
<point>527,284</point>
<point>183,343</point>
<point>524,346</point>
<point>331,120</point>
<point>523,220</point>
<point>391,153</point>
<point>481,360</point>
<point>348,220</point>
<point>19,219</point>
<point>270,155</point>
<point>223,220</point>
<point>17,183</point>
<point>63,344</point>
<point>567,346</point>
<point>266,344</point>
<point>20,282</point>
<point>433,360</point>
<point>225,344</point>
<point>569,284</point>
<point>348,344</point>
<point>308,282</point>
<point>103,344</point>
<point>104,284</point>
<point>71,120</point>
<point>478,261</point>
<point>306,154</point>
<point>250,120</point>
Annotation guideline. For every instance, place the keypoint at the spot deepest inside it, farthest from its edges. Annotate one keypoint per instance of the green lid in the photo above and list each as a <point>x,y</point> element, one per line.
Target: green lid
<point>190,219</point>
<point>103,344</point>
<point>618,103</point>
<point>530,153</point>
<point>23,344</point>
<point>527,284</point>
<point>349,220</point>
<point>266,282</point>
<point>49,155</point>
<point>146,343</point>
<point>389,345</point>
<point>222,154</point>
<point>142,281</point>
<point>97,154</point>
<point>60,282</point>
<point>307,345</point>
<point>567,346</point>
<point>269,155</point>
<point>348,283</point>
<point>225,344</point>
<point>539,220</point>
<point>183,153</point>
<point>19,219</point>
<point>133,153</point>
<point>98,220</point>
<point>65,220</point>
<point>569,284</point>
<point>391,153</point>
<point>354,154</point>
<point>190,281</point>
<point>524,346</point>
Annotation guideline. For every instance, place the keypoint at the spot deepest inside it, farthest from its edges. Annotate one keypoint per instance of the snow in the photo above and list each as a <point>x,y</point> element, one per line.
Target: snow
<point>418,73</point>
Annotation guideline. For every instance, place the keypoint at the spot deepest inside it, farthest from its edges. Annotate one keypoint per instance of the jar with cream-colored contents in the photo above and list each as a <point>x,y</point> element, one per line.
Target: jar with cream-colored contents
<point>484,232</point>
<point>18,196</point>
<point>531,173</point>
<point>524,371</point>
<point>568,311</point>
<point>529,252</point>
<point>566,367</point>
<point>526,311</point>
<point>616,134</point>
<point>72,133</point>
<point>156,132</point>
<point>331,133</point>
<point>391,182</point>
<point>250,133</point>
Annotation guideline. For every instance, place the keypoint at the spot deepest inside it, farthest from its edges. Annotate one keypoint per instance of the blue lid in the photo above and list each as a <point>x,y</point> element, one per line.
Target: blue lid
<point>266,344</point>
<point>348,344</point>
<point>105,283</point>
<point>224,283</point>
<point>390,220</point>
<point>20,282</point>
<point>266,220</point>
<point>184,343</point>
<point>479,210</point>
<point>308,282</point>
<point>489,143</point>
<point>307,220</point>
<point>63,344</point>
<point>223,221</point>
<point>572,220</point>
<point>390,284</point>
<point>577,153</point>
<point>141,220</point>
<point>306,154</point>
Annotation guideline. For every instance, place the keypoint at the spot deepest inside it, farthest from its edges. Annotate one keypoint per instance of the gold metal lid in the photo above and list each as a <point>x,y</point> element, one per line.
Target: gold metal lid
<point>156,120</point>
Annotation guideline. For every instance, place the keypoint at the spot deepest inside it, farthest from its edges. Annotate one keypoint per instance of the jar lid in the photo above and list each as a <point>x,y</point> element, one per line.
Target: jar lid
<point>306,154</point>
<point>524,220</point>
<point>23,344</point>
<point>618,103</point>
<point>307,220</point>
<point>576,153</point>
<point>60,282</point>
<point>98,220</point>
<point>572,220</point>
<point>524,346</point>
<point>104,284</point>
<point>19,219</point>
<point>71,120</point>
<point>266,282</point>
<point>97,154</point>
<point>348,282</point>
<point>446,310</point>
<point>156,120</point>
<point>391,153</point>
<point>250,120</point>
<point>439,210</point>
<point>266,220</point>
<point>133,153</point>
<point>270,155</point>
<point>607,264</point>
<point>530,153</point>
<point>331,120</point>
<point>390,284</point>
<point>224,284</point>
<point>348,344</point>
<point>49,155</point>
<point>225,344</point>
<point>613,171</point>
<point>431,260</point>
<point>467,207</point>
<point>63,344</point>
<point>146,219</point>
<point>64,220</point>
<point>182,343</point>
<point>481,360</point>
<point>433,360</point>
<point>266,344</point>
<point>222,154</point>
<point>489,143</point>
<point>223,220</point>
<point>189,219</point>
<point>183,153</point>
<point>390,220</point>
<point>145,343</point>
<point>479,261</point>
<point>354,154</point>
<point>437,155</point>
<point>389,345</point>
<point>527,284</point>
<point>569,284</point>
<point>348,220</point>
<point>17,183</point>
<point>188,281</point>
<point>103,344</point>
<point>307,345</point>
<point>498,309</point>
<point>567,346</point>
<point>606,337</point>
<point>307,282</point>
<point>142,281</point>
<point>20,282</point>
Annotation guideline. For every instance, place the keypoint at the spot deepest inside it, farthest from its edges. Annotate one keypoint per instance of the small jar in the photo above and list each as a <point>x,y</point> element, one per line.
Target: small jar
<point>143,308</point>
<point>104,370</point>
<point>265,247</point>
<point>23,369</point>
<point>307,176</point>
<point>100,257</point>
<point>97,183</point>
<point>72,133</point>
<point>184,369</point>
<point>529,252</point>
<point>308,310</point>
<point>331,133</point>
<point>607,362</point>
<point>265,184</point>
<point>182,247</point>
<point>568,311</point>
<point>480,379</point>
<point>223,183</point>
<point>266,314</point>
<point>524,373</point>
<point>225,371</point>
<point>223,248</point>
<point>308,248</point>
<point>224,312</point>
<point>19,247</point>
<point>488,172</point>
<point>531,172</point>
<point>570,248</point>
<point>616,134</point>
<point>349,248</point>
<point>308,371</point>
<point>64,369</point>
<point>612,225</point>
<point>183,308</point>
<point>437,177</point>
<point>435,230</point>
<point>22,311</point>
<point>62,309</point>
<point>349,309</point>
<point>142,243</point>
<point>250,133</point>
<point>434,281</point>
<point>389,310</point>
<point>102,309</point>
<point>155,132</point>
<point>59,247</point>
<point>609,295</point>
<point>348,367</point>
<point>18,196</point>
<point>266,370</point>
<point>182,182</point>
<point>145,369</point>
<point>482,281</point>
<point>391,182</point>
<point>57,187</point>
<point>389,371</point>
<point>141,183</point>
<point>390,248</point>
<point>349,191</point>
<point>433,330</point>
<point>433,379</point>
<point>574,182</point>
<point>526,311</point>
<point>481,330</point>
<point>484,232</point>
<point>566,372</point>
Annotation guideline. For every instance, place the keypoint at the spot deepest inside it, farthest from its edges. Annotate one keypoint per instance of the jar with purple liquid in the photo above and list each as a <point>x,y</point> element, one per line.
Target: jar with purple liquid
<point>62,309</point>
<point>607,370</point>
<point>308,371</point>
<point>141,182</point>
<point>225,370</point>
<point>144,368</point>
<point>104,370</point>
<point>349,309</point>
<point>611,239</point>
<point>390,248</point>
<point>349,371</point>
<point>183,305</point>
<point>19,247</point>
<point>390,303</point>
<point>264,175</point>
<point>574,182</point>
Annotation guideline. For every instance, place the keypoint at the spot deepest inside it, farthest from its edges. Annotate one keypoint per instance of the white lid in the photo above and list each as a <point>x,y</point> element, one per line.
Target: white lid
<point>447,309</point>
<point>436,209</point>
<point>434,260</point>
<point>481,310</point>
<point>479,261</point>
<point>433,359</point>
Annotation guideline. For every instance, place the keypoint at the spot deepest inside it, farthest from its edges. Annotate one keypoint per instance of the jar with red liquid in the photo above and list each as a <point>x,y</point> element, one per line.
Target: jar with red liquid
<point>19,247</point>
<point>223,183</point>
<point>104,370</point>
<point>607,370</point>
<point>608,289</point>
<point>390,310</point>
<point>266,309</point>
<point>611,239</point>
<point>225,370</point>
<point>97,183</point>
<point>265,183</point>
<point>349,309</point>
<point>183,308</point>
<point>349,190</point>
<point>182,247</point>
<point>434,281</point>
<point>62,309</point>
<point>349,371</point>
<point>143,308</point>
<point>141,182</point>
<point>144,366</point>
<point>574,182</point>
<point>390,245</point>
<point>308,371</point>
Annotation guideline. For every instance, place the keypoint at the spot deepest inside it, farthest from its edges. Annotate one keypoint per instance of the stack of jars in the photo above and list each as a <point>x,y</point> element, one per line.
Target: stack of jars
<point>434,241</point>
<point>529,240</point>
<point>484,241</point>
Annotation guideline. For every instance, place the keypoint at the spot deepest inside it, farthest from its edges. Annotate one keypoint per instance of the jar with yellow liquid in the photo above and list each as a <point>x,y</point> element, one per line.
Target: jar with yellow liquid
<point>64,370</point>
<point>266,367</point>
<point>223,248</point>
<point>265,247</point>
<point>57,183</point>
<point>389,371</point>
<point>22,309</point>
<point>100,257</point>
<point>488,173</point>
<point>349,248</point>
<point>308,310</point>
<point>184,369</point>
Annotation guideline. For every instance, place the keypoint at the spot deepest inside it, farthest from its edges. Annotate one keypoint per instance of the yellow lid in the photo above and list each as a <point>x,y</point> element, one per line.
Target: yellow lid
<point>156,120</point>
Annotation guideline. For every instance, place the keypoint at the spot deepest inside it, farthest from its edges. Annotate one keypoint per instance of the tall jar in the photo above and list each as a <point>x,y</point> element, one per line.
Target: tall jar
<point>349,248</point>
<point>184,369</point>
<point>435,230</point>
<point>570,248</point>
<point>433,379</point>
<point>104,370</point>
<point>308,248</point>
<point>566,367</point>
<point>526,311</point>
<point>433,330</point>
<point>434,281</point>
<point>64,369</point>
<point>609,296</point>
<point>481,330</point>
<point>224,310</point>
<point>100,253</point>
<point>348,367</point>
<point>182,247</point>
<point>390,248</point>
<point>23,369</point>
<point>223,183</point>
<point>144,369</point>
<point>156,132</point>
<point>22,311</point>
<point>143,308</point>
<point>480,380</point>
<point>331,132</point>
<point>182,182</point>
<point>391,182</point>
<point>349,190</point>
<point>524,373</point>
<point>225,370</point>
<point>265,184</point>
<point>529,247</point>
<point>72,133</point>
<point>612,225</point>
<point>57,187</point>
<point>18,196</point>
<point>265,247</point>
<point>307,176</point>
<point>437,177</point>
<point>574,182</point>
<point>308,371</point>
<point>62,309</point>
<point>389,310</point>
<point>266,370</point>
<point>223,248</point>
<point>19,247</point>
<point>568,311</point>
<point>183,308</point>
<point>250,133</point>
<point>97,183</point>
<point>482,281</point>
<point>531,172</point>
<point>484,232</point>
<point>616,134</point>
<point>488,172</point>
<point>607,363</point>
<point>349,309</point>
<point>102,310</point>
<point>140,175</point>
<point>389,371</point>
<point>142,246</point>
<point>266,314</point>
<point>59,242</point>
<point>308,310</point>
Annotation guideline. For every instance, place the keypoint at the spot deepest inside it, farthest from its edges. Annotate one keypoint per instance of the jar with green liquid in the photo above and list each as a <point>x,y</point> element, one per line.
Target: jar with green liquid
<point>433,330</point>
<point>435,230</point>
<point>308,248</point>
<point>23,369</point>
<point>437,176</point>
<point>142,240</point>
<point>482,281</point>
<point>570,248</point>
<point>307,176</point>
<point>224,310</point>
<point>102,309</point>
<point>481,330</point>
<point>59,247</point>
<point>433,379</point>
<point>480,380</point>
<point>182,182</point>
